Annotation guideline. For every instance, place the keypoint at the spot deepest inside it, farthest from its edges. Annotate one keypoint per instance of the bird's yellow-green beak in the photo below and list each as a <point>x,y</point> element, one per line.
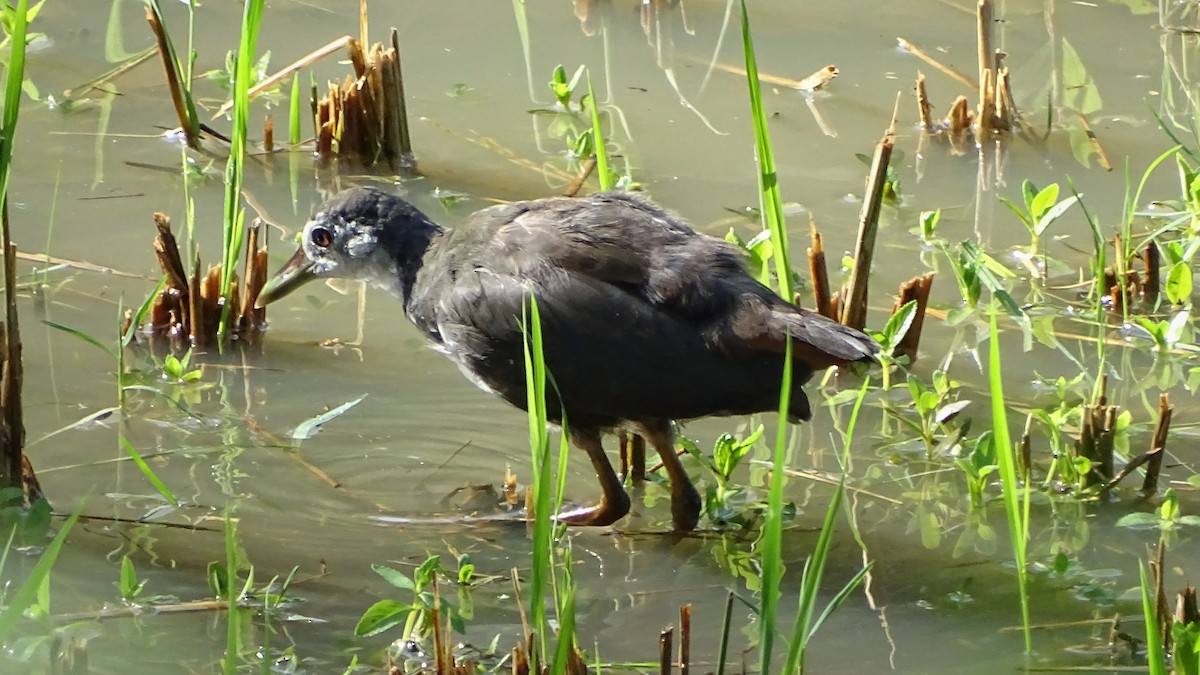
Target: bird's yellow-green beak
<point>295,273</point>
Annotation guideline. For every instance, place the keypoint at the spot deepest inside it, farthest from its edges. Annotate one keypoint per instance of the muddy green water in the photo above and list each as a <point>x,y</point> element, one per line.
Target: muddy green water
<point>937,601</point>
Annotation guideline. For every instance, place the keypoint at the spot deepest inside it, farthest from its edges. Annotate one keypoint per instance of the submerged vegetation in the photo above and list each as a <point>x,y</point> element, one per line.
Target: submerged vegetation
<point>1058,367</point>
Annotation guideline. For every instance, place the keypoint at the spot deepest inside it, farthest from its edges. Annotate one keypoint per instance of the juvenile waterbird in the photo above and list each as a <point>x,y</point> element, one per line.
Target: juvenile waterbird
<point>644,320</point>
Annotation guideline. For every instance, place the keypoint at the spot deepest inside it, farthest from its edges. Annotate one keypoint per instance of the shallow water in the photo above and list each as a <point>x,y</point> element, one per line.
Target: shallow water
<point>935,601</point>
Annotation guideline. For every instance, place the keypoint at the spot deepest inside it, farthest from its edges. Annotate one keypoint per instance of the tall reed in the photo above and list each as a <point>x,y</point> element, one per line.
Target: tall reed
<point>234,227</point>
<point>770,202</point>
<point>1016,512</point>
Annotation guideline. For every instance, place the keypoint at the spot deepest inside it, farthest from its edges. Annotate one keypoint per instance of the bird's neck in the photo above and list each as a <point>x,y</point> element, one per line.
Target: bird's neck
<point>408,253</point>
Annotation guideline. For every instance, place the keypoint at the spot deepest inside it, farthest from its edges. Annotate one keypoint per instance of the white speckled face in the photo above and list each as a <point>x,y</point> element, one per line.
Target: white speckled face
<point>348,249</point>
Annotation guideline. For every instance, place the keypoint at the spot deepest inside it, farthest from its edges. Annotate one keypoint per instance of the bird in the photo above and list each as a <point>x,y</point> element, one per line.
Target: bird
<point>644,321</point>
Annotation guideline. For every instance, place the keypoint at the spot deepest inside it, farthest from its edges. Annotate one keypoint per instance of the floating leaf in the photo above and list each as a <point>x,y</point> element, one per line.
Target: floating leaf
<point>309,427</point>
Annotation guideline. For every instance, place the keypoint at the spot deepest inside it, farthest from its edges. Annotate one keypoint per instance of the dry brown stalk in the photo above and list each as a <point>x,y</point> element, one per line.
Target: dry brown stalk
<point>939,66</point>
<point>187,312</point>
<point>15,468</point>
<point>269,134</point>
<point>854,314</point>
<point>173,79</point>
<point>923,106</point>
<point>577,183</point>
<point>1151,283</point>
<point>987,71</point>
<point>520,661</point>
<point>665,639</point>
<point>363,120</point>
<point>820,273</point>
<point>685,639</point>
<point>915,289</point>
<point>1095,141</point>
<point>1158,445</point>
<point>818,79</point>
<point>1185,606</point>
<point>985,121</point>
<point>270,82</point>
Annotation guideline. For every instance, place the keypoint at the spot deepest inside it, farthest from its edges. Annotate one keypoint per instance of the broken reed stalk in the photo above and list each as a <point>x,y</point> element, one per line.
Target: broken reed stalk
<point>1158,445</point>
<point>1152,459</point>
<point>924,108</point>
<point>1150,283</point>
<point>1097,435</point>
<point>16,471</point>
<point>187,122</point>
<point>187,311</point>
<point>364,120</point>
<point>1095,141</point>
<point>664,650</point>
<point>685,639</point>
<point>854,310</point>
<point>819,273</point>
<point>915,289</point>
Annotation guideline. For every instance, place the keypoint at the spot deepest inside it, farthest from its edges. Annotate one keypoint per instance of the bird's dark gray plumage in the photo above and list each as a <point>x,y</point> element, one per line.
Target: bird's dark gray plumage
<point>644,321</point>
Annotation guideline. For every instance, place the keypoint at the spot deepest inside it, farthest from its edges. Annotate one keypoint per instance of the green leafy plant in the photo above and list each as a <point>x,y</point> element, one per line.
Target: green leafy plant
<point>562,88</point>
<point>721,501</point>
<point>977,459</point>
<point>178,371</point>
<point>1042,207</point>
<point>128,584</point>
<point>416,614</point>
<point>1167,334</point>
<point>935,404</point>
<point>927,224</point>
<point>1166,517</point>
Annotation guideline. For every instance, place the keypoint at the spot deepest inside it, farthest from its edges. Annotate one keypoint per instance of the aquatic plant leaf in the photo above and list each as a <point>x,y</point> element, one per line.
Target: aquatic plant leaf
<point>1179,283</point>
<point>381,616</point>
<point>1053,213</point>
<point>1079,89</point>
<point>1138,520</point>
<point>82,336</point>
<point>309,427</point>
<point>148,472</point>
<point>395,577</point>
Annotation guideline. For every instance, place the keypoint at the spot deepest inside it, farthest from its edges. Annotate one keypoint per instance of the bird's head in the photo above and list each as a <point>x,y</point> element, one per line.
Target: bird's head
<point>360,233</point>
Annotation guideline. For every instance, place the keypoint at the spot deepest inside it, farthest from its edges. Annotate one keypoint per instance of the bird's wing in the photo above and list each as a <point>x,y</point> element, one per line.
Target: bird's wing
<point>652,255</point>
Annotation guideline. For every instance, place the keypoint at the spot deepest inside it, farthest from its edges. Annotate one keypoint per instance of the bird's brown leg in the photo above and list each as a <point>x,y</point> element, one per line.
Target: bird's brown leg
<point>614,503</point>
<point>685,501</point>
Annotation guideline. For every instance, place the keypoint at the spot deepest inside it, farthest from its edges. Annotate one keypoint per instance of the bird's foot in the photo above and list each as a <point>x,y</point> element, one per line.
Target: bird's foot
<point>607,512</point>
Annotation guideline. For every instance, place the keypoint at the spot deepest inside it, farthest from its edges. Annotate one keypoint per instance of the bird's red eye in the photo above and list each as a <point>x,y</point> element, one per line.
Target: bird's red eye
<point>321,237</point>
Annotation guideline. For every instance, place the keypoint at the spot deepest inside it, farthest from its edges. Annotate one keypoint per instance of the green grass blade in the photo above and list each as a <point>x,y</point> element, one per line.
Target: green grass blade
<point>294,112</point>
<point>539,445</point>
<point>566,617</point>
<point>1156,653</point>
<point>82,336</point>
<point>1005,457</point>
<point>148,472</point>
<point>234,217</point>
<point>602,171</point>
<point>768,179</point>
<point>12,95</point>
<point>18,602</point>
<point>771,541</point>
